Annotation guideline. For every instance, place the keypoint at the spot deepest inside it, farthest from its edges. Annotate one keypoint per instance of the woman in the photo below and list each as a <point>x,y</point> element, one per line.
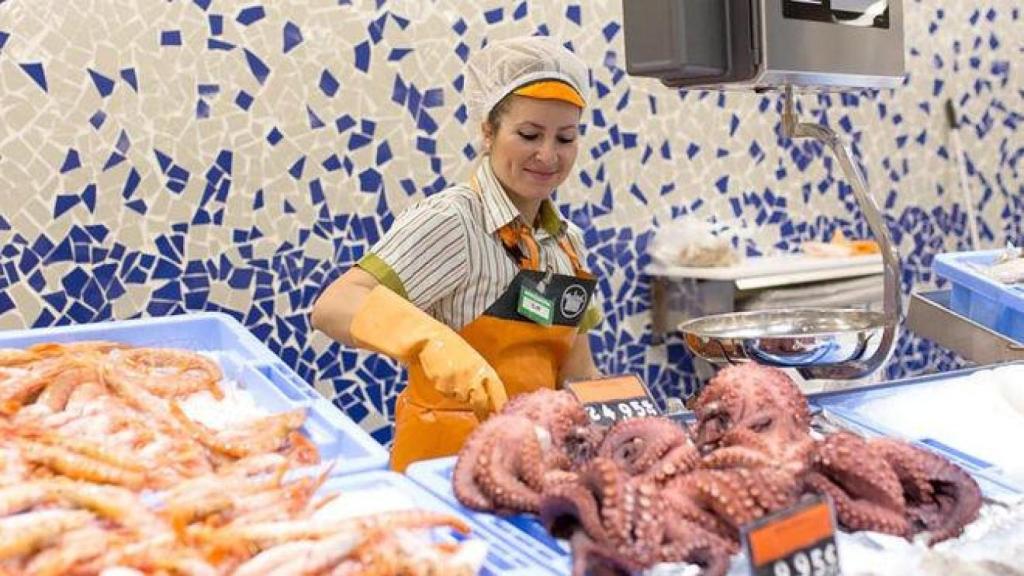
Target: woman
<point>480,290</point>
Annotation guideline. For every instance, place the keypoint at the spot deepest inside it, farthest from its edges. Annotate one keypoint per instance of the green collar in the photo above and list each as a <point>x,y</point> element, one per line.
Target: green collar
<point>549,218</point>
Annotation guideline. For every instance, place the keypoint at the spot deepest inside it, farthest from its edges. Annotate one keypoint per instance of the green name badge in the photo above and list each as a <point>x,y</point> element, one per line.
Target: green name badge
<point>535,306</point>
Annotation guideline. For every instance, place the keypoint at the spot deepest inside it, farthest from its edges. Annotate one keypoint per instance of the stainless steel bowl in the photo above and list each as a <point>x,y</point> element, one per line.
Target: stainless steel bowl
<point>821,342</point>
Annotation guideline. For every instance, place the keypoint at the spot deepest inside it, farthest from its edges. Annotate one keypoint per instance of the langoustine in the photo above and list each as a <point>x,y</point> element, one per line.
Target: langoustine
<point>88,431</point>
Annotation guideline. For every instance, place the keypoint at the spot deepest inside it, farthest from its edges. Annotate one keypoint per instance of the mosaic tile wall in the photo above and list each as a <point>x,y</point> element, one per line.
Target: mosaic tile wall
<point>159,157</point>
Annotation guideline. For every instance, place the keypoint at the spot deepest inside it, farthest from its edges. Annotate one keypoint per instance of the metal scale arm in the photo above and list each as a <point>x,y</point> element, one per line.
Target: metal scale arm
<point>892,300</point>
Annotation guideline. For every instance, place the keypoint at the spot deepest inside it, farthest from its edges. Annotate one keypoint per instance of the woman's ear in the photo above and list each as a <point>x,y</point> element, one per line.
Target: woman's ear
<point>488,132</point>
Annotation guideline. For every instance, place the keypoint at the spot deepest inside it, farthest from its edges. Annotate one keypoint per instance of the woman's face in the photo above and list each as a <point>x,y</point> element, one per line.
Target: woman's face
<point>534,146</point>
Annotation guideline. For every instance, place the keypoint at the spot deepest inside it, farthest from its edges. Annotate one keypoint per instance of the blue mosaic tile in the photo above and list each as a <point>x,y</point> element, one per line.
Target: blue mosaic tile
<point>296,169</point>
<point>328,83</point>
<point>250,15</point>
<point>114,159</point>
<point>71,161</point>
<point>170,38</point>
<point>291,37</point>
<point>397,54</point>
<point>315,123</point>
<point>104,85</point>
<point>494,16</point>
<point>37,73</point>
<point>97,119</point>
<point>383,153</point>
<point>362,54</point>
<point>260,71</point>
<point>219,45</point>
<point>216,22</point>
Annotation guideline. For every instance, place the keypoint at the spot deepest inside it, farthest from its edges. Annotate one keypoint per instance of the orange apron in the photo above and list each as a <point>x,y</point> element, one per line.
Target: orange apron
<point>526,355</point>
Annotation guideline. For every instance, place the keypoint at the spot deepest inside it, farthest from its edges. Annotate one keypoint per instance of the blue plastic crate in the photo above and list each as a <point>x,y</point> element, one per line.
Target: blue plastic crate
<point>242,357</point>
<point>520,542</point>
<point>849,407</point>
<point>986,301</point>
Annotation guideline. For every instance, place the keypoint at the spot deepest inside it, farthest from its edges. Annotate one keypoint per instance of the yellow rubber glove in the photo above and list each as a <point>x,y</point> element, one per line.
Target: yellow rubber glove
<point>391,325</point>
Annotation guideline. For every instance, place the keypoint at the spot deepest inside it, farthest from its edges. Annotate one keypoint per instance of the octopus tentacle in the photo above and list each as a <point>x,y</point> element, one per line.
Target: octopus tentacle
<point>941,497</point>
<point>582,503</point>
<point>848,461</point>
<point>679,460</point>
<point>682,507</point>
<point>856,514</point>
<point>592,557</point>
<point>736,457</point>
<point>690,543</point>
<point>509,467</point>
<point>467,491</point>
<point>733,497</point>
<point>864,489</point>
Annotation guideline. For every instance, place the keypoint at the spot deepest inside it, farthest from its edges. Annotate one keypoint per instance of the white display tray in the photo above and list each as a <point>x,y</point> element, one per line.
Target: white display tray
<point>764,271</point>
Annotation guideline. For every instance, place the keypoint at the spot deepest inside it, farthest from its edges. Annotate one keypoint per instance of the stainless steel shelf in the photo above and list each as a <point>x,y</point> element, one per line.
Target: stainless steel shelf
<point>930,316</point>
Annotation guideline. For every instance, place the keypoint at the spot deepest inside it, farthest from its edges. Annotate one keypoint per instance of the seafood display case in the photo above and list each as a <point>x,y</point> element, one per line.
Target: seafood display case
<point>273,386</point>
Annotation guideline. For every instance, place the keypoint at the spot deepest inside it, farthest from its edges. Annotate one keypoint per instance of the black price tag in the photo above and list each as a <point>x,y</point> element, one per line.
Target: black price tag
<point>797,541</point>
<point>611,400</point>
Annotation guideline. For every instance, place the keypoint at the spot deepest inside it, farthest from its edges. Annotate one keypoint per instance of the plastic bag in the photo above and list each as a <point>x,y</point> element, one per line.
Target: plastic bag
<point>1008,266</point>
<point>696,244</point>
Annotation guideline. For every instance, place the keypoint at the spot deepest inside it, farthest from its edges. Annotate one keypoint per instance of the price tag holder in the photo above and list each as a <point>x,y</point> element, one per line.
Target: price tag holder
<point>611,400</point>
<point>797,541</point>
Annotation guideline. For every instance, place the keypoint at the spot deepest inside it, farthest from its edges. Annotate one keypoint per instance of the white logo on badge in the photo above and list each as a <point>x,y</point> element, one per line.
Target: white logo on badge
<point>574,299</point>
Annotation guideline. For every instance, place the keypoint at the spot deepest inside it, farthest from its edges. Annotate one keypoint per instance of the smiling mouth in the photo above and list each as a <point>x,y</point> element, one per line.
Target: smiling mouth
<point>539,173</point>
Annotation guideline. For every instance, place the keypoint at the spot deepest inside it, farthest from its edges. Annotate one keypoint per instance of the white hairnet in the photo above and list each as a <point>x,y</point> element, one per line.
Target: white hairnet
<point>505,65</point>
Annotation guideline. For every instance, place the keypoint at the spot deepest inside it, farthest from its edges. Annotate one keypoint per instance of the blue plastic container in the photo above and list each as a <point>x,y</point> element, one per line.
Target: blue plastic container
<point>850,408</point>
<point>242,357</point>
<point>521,544</point>
<point>986,301</point>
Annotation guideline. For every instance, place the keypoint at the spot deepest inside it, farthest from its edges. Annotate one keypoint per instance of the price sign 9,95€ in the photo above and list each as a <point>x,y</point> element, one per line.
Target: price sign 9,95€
<point>797,541</point>
<point>611,400</point>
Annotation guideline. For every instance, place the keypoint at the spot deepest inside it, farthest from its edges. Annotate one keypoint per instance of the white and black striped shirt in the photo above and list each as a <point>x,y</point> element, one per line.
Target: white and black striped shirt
<point>445,256</point>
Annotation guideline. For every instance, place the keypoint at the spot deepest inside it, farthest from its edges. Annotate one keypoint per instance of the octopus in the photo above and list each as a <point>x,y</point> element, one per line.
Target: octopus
<point>753,406</point>
<point>534,441</point>
<point>648,491</point>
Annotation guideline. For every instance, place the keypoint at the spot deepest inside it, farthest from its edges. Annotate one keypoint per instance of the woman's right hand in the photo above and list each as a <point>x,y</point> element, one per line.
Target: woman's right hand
<point>358,311</point>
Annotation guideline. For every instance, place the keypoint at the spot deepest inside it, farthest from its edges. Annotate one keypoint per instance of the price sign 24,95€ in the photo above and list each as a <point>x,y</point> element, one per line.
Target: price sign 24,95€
<point>611,400</point>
